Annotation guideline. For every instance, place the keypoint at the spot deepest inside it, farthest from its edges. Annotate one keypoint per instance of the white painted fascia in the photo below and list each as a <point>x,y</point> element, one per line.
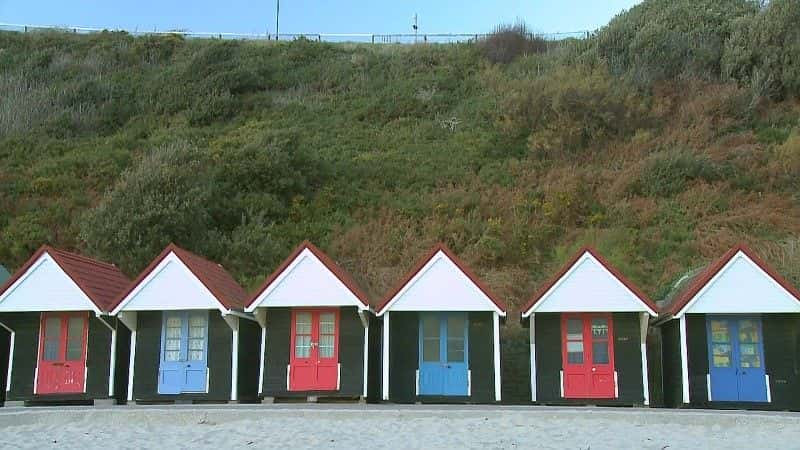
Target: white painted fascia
<point>353,299</point>
<point>586,255</point>
<point>45,257</point>
<point>739,255</point>
<point>421,273</point>
<point>172,258</point>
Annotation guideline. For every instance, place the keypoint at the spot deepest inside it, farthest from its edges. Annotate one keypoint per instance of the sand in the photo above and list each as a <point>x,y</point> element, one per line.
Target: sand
<point>392,426</point>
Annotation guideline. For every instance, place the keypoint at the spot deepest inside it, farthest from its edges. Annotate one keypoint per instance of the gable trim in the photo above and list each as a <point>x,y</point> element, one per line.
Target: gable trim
<point>424,265</point>
<point>738,252</point>
<point>167,257</point>
<point>583,254</point>
<point>39,258</point>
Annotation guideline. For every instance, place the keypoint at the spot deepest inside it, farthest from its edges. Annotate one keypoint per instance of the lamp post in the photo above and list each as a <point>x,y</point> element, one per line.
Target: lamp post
<point>277,19</point>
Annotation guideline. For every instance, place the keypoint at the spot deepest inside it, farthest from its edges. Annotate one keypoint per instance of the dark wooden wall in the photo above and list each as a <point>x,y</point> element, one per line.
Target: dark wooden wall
<point>5,342</point>
<point>404,358</point>
<point>627,360</point>
<point>249,359</point>
<point>351,355</point>
<point>148,359</point>
<point>26,347</point>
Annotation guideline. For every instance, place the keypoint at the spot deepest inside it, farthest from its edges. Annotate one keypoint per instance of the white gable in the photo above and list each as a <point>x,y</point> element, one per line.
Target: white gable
<point>169,286</point>
<point>441,286</point>
<point>306,282</point>
<point>742,287</point>
<point>45,287</point>
<point>589,287</point>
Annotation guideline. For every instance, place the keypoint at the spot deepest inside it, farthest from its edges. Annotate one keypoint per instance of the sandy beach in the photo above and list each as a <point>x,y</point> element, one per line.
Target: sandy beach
<point>392,426</point>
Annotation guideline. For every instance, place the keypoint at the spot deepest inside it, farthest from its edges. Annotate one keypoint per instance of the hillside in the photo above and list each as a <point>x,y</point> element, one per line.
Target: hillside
<point>663,140</point>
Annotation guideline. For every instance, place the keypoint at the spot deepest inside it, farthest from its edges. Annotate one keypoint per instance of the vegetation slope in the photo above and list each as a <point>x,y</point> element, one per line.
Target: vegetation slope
<point>666,137</point>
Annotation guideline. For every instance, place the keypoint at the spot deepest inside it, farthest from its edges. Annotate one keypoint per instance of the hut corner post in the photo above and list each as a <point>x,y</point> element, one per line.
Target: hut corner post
<point>385,355</point>
<point>532,332</point>
<point>10,355</point>
<point>644,321</point>
<point>261,317</point>
<point>362,314</point>
<point>233,323</point>
<point>128,318</point>
<point>113,358</point>
<point>496,332</point>
<point>684,360</point>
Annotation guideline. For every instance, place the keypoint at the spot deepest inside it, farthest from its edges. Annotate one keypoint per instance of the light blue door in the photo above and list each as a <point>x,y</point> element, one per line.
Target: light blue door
<point>184,348</point>
<point>443,362</point>
<point>736,361</point>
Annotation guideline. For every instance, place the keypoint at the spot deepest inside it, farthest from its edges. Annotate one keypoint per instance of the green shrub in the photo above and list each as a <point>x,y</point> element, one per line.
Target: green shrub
<point>666,174</point>
<point>764,50</point>
<point>507,42</point>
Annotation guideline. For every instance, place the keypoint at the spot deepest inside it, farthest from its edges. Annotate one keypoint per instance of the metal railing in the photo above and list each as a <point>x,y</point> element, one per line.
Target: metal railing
<point>372,38</point>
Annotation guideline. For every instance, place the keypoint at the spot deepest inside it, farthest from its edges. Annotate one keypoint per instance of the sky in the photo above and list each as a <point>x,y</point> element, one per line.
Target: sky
<point>315,16</point>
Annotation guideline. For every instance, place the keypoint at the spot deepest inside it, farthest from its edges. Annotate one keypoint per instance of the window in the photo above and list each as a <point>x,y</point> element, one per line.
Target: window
<point>599,340</point>
<point>720,344</point>
<point>52,338</point>
<point>75,338</point>
<point>172,338</point>
<point>302,340</point>
<point>455,338</point>
<point>430,338</point>
<point>575,341</point>
<point>327,334</point>
<point>749,339</point>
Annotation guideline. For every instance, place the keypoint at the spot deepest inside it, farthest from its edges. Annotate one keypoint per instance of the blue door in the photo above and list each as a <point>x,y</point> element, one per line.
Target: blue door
<point>443,362</point>
<point>736,359</point>
<point>184,348</point>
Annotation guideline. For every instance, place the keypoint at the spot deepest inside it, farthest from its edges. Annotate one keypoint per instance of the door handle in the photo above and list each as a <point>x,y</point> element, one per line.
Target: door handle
<point>594,369</point>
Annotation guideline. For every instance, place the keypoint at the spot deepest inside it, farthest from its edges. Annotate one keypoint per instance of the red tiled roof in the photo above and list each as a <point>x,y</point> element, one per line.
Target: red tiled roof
<point>699,281</point>
<point>441,247</point>
<point>213,276</point>
<point>616,273</point>
<point>100,281</point>
<point>326,260</point>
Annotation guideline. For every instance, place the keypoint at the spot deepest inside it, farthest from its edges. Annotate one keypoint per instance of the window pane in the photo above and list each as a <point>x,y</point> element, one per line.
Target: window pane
<point>575,352</point>
<point>52,333</point>
<point>302,346</point>
<point>600,352</point>
<point>327,323</point>
<point>719,331</point>
<point>575,329</point>
<point>748,356</point>
<point>455,327</point>
<point>173,333</point>
<point>174,322</point>
<point>172,344</point>
<point>51,349</point>
<point>75,338</point>
<point>326,346</point>
<point>430,326</point>
<point>303,323</point>
<point>721,355</point>
<point>196,344</point>
<point>599,328</point>
<point>455,350</point>
<point>197,332</point>
<point>748,332</point>
<point>195,355</point>
<point>172,355</point>
<point>430,350</point>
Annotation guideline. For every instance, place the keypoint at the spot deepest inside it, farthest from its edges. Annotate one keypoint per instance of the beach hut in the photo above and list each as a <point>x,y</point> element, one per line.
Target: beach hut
<point>190,340</point>
<point>731,337</point>
<point>315,329</point>
<point>588,328</point>
<point>441,335</point>
<point>63,344</point>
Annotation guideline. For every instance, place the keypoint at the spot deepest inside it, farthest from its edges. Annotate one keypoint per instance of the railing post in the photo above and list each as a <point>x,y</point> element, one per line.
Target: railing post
<point>373,38</point>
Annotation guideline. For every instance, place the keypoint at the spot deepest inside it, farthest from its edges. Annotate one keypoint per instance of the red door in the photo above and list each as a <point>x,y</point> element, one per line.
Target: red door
<point>62,353</point>
<point>588,355</point>
<point>314,362</point>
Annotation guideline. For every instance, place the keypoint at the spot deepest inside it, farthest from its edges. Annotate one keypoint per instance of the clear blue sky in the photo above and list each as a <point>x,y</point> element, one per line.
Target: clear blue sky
<point>315,16</point>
